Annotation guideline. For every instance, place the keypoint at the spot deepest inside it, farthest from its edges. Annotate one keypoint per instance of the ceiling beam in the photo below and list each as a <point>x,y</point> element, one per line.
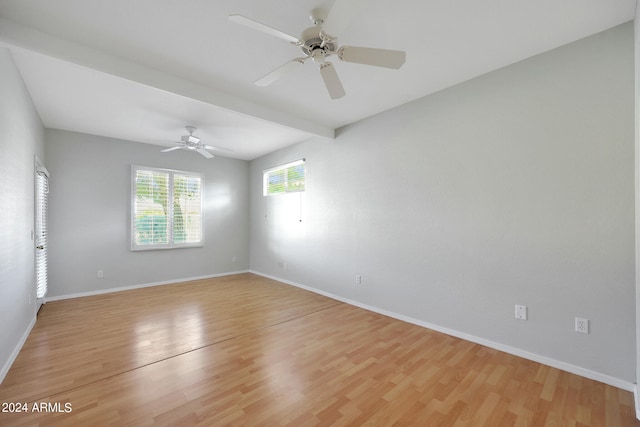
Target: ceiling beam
<point>13,34</point>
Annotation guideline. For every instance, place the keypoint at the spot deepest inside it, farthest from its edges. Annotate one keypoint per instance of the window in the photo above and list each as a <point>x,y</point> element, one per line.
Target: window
<point>284,179</point>
<point>166,209</point>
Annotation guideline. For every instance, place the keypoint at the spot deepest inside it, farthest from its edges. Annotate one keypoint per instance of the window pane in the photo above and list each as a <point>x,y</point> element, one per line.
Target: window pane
<point>295,178</point>
<point>288,178</point>
<point>276,182</point>
<point>187,216</point>
<point>151,226</point>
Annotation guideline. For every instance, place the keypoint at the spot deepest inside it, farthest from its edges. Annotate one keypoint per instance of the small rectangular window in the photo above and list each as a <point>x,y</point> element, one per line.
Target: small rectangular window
<point>166,209</point>
<point>288,178</point>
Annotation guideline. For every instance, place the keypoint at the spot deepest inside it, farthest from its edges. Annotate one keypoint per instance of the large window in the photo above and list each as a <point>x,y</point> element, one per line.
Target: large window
<point>166,209</point>
<point>288,178</point>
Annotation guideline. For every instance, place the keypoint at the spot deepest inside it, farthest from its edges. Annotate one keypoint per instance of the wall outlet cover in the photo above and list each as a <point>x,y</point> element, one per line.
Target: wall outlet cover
<point>521,312</point>
<point>582,325</point>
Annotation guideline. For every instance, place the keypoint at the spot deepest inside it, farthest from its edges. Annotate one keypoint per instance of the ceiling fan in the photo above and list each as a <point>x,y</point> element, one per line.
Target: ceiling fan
<point>320,41</point>
<point>190,142</point>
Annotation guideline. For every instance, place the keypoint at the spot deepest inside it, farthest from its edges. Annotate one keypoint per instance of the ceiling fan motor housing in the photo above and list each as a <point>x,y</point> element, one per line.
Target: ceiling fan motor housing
<point>190,140</point>
<point>311,41</point>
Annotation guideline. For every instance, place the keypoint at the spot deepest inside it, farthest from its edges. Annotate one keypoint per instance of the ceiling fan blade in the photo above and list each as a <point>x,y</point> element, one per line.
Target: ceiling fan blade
<point>225,149</point>
<point>170,149</point>
<point>370,56</point>
<point>205,153</point>
<point>340,16</point>
<point>331,80</point>
<point>276,74</point>
<point>259,26</point>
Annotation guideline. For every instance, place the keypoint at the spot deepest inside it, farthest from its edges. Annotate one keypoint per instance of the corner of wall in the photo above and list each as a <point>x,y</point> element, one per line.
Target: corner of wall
<point>636,31</point>
<point>636,400</point>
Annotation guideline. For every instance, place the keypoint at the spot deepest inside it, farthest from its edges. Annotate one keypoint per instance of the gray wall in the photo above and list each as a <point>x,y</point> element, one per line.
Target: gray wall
<point>89,215</point>
<point>21,139</point>
<point>636,31</point>
<point>516,187</point>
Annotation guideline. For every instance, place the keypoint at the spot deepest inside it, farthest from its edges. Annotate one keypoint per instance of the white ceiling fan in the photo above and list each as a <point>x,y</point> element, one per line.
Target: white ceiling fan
<point>190,142</point>
<point>320,41</point>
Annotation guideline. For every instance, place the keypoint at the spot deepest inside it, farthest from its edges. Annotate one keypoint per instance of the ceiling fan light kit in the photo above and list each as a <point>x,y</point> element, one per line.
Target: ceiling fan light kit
<point>319,42</point>
<point>190,140</point>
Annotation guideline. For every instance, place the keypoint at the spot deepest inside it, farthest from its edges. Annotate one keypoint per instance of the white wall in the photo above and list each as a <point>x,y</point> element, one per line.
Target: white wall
<point>516,187</point>
<point>21,139</point>
<point>89,215</point>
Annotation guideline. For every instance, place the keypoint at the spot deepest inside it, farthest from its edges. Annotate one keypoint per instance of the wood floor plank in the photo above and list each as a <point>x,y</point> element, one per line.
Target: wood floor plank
<point>245,350</point>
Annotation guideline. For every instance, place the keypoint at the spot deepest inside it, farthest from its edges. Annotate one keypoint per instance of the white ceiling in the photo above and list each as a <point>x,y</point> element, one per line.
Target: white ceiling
<point>142,70</point>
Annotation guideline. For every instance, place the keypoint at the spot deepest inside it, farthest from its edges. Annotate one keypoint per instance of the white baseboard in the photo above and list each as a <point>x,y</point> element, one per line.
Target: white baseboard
<point>144,285</point>
<point>16,350</point>
<point>587,373</point>
<point>636,400</point>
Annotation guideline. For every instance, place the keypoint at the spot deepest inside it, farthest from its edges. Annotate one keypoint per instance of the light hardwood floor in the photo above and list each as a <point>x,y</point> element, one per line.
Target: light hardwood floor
<point>246,350</point>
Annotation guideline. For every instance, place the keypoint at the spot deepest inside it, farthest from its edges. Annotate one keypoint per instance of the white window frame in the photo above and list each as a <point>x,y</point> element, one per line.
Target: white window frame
<point>267,172</point>
<point>170,244</point>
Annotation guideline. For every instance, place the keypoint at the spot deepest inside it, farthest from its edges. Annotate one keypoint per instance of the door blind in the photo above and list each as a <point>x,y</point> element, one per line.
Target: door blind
<point>42,194</point>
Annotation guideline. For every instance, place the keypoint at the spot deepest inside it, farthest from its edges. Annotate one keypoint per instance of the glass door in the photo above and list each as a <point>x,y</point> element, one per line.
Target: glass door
<point>41,220</point>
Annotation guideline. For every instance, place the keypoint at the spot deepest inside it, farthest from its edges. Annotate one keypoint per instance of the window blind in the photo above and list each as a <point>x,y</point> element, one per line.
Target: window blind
<point>151,207</point>
<point>166,209</point>
<point>287,178</point>
<point>187,220</point>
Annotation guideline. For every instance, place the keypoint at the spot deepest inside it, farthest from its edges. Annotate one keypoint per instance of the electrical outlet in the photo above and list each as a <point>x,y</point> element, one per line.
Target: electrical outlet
<point>100,274</point>
<point>582,325</point>
<point>358,279</point>
<point>234,259</point>
<point>521,312</point>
